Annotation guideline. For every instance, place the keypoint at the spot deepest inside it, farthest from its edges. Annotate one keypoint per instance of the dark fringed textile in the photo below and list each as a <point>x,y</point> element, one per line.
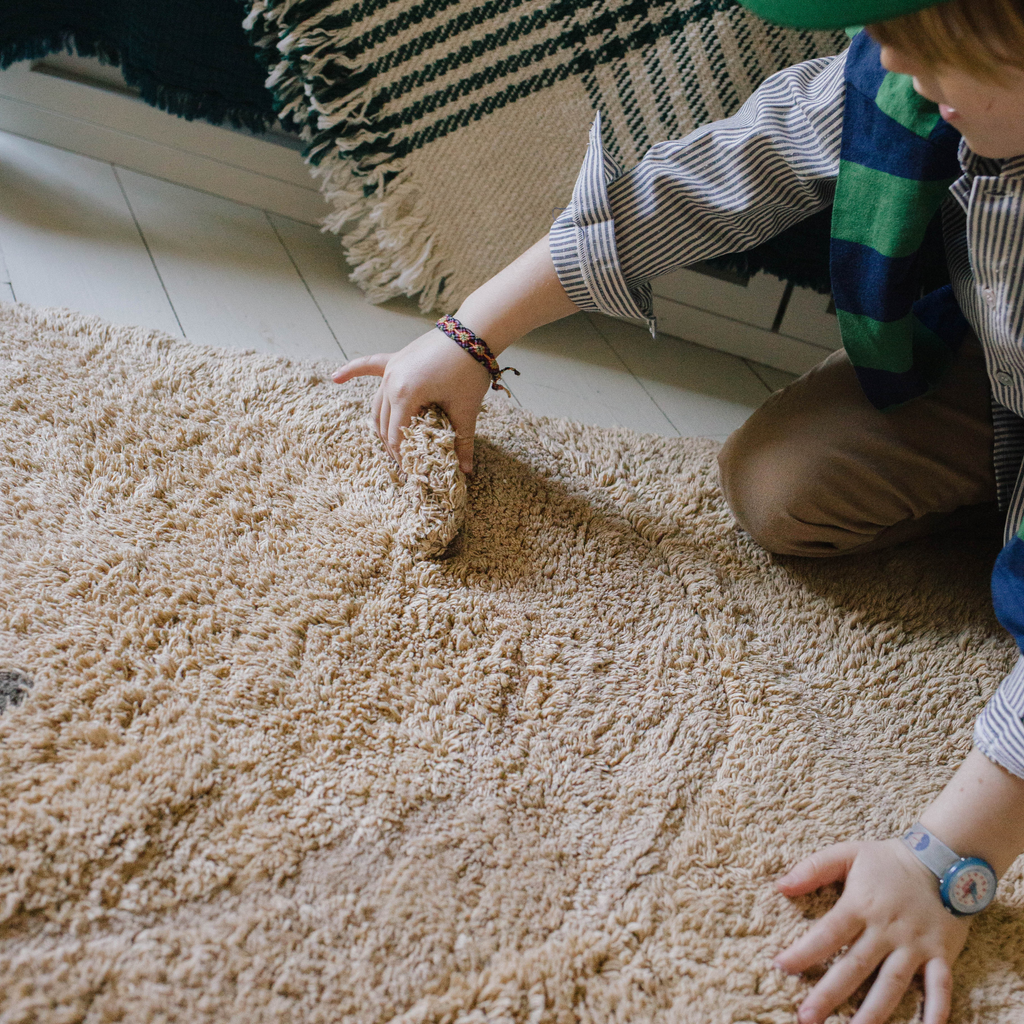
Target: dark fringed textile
<point>188,57</point>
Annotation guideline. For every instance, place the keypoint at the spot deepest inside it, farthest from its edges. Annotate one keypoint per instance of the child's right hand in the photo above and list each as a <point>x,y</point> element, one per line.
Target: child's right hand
<point>432,370</point>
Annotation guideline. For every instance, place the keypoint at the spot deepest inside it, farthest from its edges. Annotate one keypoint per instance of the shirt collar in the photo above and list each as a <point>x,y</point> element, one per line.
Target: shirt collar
<point>978,166</point>
<point>1013,167</point>
<point>975,166</point>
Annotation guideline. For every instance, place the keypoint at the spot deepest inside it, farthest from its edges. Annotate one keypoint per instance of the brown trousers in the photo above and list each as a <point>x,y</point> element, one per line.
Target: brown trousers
<point>818,471</point>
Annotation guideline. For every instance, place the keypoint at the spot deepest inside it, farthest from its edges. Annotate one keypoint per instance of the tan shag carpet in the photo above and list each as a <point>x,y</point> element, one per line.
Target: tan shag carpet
<point>275,765</point>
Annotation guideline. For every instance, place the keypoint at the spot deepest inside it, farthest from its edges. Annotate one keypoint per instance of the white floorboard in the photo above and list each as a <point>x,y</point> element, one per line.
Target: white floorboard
<point>569,370</point>
<point>360,328</point>
<point>703,393</point>
<point>229,278</point>
<point>773,379</point>
<point>70,240</point>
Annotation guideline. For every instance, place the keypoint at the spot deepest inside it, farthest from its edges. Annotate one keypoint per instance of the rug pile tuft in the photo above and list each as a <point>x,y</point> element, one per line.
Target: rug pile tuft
<point>281,763</point>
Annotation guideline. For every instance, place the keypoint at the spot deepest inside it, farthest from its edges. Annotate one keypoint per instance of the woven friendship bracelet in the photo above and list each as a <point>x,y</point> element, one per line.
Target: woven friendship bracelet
<point>477,348</point>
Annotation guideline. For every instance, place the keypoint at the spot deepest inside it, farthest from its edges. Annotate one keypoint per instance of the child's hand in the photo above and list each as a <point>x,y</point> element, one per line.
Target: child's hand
<point>891,918</point>
<point>432,370</point>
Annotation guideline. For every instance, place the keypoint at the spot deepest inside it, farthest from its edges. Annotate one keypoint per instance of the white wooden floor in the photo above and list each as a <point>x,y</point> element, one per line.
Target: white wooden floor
<point>101,239</point>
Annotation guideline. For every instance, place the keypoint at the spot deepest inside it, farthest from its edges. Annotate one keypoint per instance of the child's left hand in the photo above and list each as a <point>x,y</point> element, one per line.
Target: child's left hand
<point>891,918</point>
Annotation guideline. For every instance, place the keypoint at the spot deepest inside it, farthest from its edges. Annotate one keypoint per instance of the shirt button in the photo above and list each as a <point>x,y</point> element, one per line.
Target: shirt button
<point>989,296</point>
<point>1004,377</point>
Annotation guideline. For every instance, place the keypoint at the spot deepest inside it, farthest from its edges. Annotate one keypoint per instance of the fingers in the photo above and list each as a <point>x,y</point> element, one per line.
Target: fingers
<point>389,420</point>
<point>841,980</point>
<point>938,991</point>
<point>894,978</point>
<point>380,411</point>
<point>383,422</point>
<point>364,366</point>
<point>465,429</point>
<point>888,915</point>
<point>824,939</point>
<point>375,405</point>
<point>399,417</point>
<point>829,865</point>
<point>464,452</point>
<point>409,383</point>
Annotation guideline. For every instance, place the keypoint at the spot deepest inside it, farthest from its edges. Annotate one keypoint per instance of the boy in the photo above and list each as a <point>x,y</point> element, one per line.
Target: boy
<point>891,440</point>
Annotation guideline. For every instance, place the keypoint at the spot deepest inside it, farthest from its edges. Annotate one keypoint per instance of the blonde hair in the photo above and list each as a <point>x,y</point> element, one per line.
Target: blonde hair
<point>980,37</point>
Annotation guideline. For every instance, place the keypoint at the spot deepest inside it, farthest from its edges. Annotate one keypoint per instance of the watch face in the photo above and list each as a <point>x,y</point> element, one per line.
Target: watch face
<point>969,886</point>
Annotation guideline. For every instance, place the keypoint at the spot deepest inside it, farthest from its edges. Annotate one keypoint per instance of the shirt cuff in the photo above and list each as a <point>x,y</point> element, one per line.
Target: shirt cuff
<point>999,730</point>
<point>582,242</point>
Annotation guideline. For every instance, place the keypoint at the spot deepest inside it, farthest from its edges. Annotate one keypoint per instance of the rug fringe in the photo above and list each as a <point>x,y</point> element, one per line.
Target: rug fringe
<point>388,244</point>
<point>391,250</point>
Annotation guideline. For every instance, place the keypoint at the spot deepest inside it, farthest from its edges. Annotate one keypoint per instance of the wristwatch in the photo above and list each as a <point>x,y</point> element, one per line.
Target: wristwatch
<point>967,885</point>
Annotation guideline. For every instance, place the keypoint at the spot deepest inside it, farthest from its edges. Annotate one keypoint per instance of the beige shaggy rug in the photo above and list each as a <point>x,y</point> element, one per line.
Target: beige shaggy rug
<point>268,762</point>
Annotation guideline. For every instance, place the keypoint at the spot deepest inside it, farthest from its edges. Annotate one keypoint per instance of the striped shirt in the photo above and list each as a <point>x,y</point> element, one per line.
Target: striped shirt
<point>730,185</point>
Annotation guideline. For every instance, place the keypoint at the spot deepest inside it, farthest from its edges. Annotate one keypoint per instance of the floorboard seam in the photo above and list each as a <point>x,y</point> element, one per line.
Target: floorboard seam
<point>305,283</point>
<point>149,252</point>
<point>625,366</point>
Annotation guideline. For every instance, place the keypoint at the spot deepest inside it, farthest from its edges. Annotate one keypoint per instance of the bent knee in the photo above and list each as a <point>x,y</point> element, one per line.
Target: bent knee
<point>779,500</point>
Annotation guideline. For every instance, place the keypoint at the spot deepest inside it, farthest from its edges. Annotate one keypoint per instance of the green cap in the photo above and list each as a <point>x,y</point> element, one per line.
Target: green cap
<point>833,13</point>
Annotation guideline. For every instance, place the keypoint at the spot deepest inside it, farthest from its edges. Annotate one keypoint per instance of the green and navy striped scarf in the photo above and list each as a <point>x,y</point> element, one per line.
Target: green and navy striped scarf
<point>898,159</point>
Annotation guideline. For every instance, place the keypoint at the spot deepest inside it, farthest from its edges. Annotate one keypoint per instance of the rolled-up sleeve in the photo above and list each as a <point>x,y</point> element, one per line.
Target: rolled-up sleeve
<point>999,730</point>
<point>726,187</point>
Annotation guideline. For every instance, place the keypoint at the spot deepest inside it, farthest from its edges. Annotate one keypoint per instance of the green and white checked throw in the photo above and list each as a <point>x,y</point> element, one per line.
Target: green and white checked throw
<point>447,135</point>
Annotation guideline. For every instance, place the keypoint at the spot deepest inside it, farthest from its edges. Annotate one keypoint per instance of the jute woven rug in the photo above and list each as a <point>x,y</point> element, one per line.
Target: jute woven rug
<point>448,135</point>
<point>265,761</point>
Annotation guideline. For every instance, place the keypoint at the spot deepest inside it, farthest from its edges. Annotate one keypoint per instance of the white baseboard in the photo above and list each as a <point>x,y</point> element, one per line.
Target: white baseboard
<point>739,339</point>
<point>761,319</point>
<point>98,119</point>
